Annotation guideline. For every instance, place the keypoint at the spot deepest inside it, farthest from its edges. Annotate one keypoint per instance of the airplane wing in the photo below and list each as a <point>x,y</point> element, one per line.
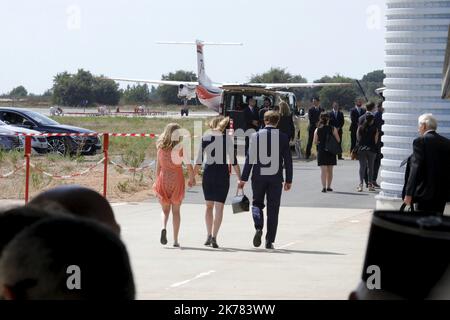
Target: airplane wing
<point>160,82</point>
<point>298,85</point>
<point>285,85</point>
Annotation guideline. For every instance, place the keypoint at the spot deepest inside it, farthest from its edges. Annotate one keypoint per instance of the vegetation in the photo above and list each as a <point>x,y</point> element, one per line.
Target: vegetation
<point>168,94</point>
<point>83,89</point>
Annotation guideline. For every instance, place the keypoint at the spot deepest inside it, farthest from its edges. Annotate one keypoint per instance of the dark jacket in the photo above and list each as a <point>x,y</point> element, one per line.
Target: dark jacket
<point>286,125</point>
<point>314,117</point>
<point>429,176</point>
<point>338,120</point>
<point>354,117</point>
<point>262,169</point>
<point>251,116</point>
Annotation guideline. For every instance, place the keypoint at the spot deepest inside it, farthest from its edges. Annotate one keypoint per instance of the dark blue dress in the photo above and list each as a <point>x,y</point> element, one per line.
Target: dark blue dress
<point>217,152</point>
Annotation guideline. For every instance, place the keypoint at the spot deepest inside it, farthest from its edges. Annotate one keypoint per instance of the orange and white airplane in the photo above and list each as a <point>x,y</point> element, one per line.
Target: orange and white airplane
<point>210,93</point>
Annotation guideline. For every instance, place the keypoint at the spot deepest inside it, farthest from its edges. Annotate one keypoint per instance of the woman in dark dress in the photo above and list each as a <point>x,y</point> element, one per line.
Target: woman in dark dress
<point>286,124</point>
<point>217,152</point>
<point>326,160</point>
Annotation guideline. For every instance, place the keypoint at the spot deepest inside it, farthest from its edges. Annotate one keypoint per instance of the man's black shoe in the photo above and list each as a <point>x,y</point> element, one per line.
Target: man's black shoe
<point>257,238</point>
<point>269,246</point>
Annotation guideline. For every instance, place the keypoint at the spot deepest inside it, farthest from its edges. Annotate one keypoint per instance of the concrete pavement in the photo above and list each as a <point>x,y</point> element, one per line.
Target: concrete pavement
<point>319,255</point>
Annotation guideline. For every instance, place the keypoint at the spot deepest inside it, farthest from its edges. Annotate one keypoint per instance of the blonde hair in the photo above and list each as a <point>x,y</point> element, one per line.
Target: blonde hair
<point>165,141</point>
<point>272,117</point>
<point>284,109</point>
<point>219,123</point>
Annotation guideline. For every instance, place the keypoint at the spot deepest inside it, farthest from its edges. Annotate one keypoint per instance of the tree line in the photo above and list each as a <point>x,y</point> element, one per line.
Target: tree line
<point>84,89</point>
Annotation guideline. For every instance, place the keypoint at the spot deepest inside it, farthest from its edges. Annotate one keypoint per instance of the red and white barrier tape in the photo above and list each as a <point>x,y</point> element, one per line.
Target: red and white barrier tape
<point>150,135</point>
<point>144,135</point>
<point>132,169</point>
<point>6,175</point>
<point>77,174</point>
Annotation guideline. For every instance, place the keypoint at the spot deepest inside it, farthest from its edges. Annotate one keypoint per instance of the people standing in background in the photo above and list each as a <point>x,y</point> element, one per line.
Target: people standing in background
<point>428,182</point>
<point>337,120</point>
<point>218,148</point>
<point>286,124</point>
<point>266,107</point>
<point>379,122</point>
<point>367,135</point>
<point>370,109</point>
<point>169,186</point>
<point>313,116</point>
<point>251,114</point>
<point>325,160</point>
<point>355,114</point>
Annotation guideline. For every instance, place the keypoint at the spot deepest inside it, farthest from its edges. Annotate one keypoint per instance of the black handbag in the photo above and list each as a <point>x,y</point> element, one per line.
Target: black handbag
<point>240,202</point>
<point>403,208</point>
<point>332,146</point>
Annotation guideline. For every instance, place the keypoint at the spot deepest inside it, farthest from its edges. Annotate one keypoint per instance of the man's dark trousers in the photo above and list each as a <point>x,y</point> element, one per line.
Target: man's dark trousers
<point>431,206</point>
<point>311,130</point>
<point>273,190</point>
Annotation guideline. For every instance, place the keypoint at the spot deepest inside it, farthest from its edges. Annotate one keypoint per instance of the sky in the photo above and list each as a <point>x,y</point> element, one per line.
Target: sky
<point>117,38</point>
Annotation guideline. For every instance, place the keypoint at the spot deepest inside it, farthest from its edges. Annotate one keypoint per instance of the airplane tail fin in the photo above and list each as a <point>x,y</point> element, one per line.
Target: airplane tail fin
<point>203,78</point>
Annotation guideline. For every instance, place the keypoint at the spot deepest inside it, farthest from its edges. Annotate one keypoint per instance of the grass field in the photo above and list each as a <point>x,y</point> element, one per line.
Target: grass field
<point>156,125</point>
<point>132,152</point>
<point>121,145</point>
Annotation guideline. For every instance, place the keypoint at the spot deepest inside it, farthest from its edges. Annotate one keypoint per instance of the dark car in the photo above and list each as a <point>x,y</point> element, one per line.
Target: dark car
<point>9,141</point>
<point>63,145</point>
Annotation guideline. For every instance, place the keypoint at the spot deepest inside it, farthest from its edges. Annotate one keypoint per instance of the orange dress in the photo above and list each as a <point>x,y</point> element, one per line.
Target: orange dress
<point>169,186</point>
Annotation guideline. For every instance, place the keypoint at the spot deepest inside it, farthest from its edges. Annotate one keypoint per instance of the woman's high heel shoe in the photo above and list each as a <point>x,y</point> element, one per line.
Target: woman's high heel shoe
<point>208,240</point>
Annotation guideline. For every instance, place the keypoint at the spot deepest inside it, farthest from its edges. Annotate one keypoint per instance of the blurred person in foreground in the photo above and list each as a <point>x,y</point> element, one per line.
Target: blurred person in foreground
<point>66,258</point>
<point>406,258</point>
<point>79,201</point>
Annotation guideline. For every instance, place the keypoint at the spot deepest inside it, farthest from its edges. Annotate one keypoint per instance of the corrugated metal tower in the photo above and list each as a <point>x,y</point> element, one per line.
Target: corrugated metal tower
<point>416,40</point>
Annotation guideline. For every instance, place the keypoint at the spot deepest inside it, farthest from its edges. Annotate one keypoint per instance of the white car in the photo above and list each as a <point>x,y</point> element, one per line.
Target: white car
<point>39,144</point>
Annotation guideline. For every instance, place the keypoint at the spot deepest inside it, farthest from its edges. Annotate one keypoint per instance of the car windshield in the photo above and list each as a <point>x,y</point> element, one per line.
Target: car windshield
<point>41,119</point>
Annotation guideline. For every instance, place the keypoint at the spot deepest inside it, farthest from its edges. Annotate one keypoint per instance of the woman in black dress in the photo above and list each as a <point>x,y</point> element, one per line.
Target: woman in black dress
<point>286,124</point>
<point>326,160</point>
<point>219,150</point>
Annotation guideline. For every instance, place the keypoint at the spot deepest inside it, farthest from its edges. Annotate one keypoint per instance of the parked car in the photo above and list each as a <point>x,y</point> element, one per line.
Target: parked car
<point>63,145</point>
<point>9,141</point>
<point>38,144</point>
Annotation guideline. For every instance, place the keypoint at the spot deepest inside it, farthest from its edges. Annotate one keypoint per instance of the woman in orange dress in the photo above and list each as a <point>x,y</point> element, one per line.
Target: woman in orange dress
<point>169,186</point>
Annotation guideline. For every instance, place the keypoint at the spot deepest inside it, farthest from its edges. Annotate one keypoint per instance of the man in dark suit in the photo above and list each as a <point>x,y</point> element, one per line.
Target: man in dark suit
<point>268,154</point>
<point>337,120</point>
<point>267,106</point>
<point>355,114</point>
<point>428,183</point>
<point>251,114</point>
<point>313,116</point>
